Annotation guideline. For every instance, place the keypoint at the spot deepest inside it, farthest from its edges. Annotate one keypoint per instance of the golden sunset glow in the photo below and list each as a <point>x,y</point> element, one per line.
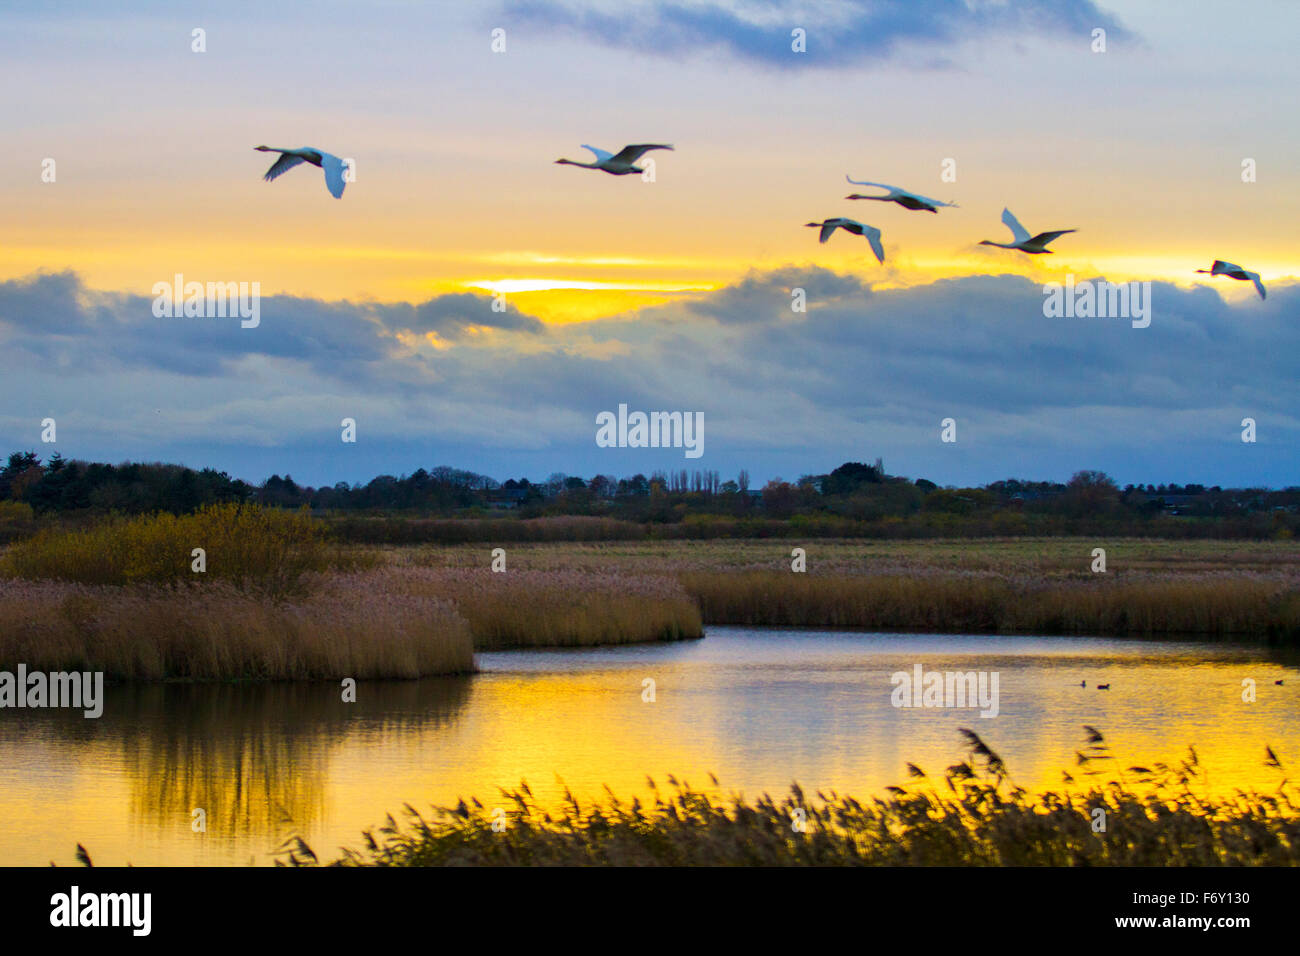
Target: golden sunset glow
<point>329,779</point>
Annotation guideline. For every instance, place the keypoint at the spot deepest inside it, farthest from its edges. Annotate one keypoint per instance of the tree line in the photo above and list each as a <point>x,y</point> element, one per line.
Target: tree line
<point>854,491</point>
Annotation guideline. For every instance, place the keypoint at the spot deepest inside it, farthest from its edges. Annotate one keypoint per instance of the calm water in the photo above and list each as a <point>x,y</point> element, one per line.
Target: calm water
<point>757,708</point>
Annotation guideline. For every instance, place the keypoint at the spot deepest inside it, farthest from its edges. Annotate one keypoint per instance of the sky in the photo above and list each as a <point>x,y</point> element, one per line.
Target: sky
<point>673,294</point>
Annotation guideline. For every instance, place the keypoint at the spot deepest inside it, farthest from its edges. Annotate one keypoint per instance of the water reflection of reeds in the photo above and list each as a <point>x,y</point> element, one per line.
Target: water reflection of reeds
<point>255,757</point>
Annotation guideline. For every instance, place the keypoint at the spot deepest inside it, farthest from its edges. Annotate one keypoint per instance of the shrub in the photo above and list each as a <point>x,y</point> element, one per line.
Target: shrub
<point>17,520</point>
<point>243,544</point>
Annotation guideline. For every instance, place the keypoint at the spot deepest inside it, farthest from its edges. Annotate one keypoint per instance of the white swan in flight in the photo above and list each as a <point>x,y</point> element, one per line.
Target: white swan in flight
<point>289,158</point>
<point>870,233</point>
<point>1221,268</point>
<point>1035,245</point>
<point>622,163</point>
<point>907,200</point>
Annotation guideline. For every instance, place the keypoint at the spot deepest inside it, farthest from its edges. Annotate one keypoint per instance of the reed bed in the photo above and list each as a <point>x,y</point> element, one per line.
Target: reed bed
<point>360,625</point>
<point>394,622</point>
<point>971,815</point>
<point>560,608</point>
<point>1211,604</point>
<point>1025,557</point>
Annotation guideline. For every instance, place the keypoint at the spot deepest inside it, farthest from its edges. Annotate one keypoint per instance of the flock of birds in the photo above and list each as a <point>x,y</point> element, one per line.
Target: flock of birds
<point>624,163</point>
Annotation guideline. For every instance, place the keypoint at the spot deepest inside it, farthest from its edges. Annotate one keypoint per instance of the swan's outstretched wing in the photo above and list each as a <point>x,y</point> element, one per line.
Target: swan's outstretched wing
<point>1259,286</point>
<point>334,168</point>
<point>932,202</point>
<point>282,165</point>
<point>873,237</point>
<point>863,182</point>
<point>1018,232</point>
<point>1043,238</point>
<point>828,229</point>
<point>600,154</point>
<point>630,154</point>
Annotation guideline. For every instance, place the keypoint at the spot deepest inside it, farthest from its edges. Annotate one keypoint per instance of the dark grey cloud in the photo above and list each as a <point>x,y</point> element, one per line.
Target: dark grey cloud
<point>864,371</point>
<point>449,316</point>
<point>850,32</point>
<point>756,297</point>
<point>52,317</point>
<point>983,342</point>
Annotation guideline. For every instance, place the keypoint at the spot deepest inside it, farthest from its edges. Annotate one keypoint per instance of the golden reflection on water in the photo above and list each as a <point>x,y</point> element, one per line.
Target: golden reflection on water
<point>759,710</point>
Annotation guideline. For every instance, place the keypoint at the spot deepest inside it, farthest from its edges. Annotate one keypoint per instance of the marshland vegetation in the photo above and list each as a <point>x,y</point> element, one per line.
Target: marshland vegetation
<point>279,597</point>
<point>1015,585</point>
<point>969,814</point>
<point>276,599</point>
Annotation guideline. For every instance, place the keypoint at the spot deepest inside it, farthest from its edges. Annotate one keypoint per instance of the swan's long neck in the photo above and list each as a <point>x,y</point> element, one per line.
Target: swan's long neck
<point>574,162</point>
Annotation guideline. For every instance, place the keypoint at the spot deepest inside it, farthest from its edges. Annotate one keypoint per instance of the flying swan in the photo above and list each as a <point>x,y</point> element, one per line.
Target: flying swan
<point>622,163</point>
<point>1221,268</point>
<point>289,158</point>
<point>871,233</point>
<point>906,199</point>
<point>1035,246</point>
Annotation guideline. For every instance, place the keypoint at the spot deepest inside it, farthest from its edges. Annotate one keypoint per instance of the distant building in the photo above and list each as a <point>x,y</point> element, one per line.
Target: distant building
<point>506,497</point>
<point>1178,504</point>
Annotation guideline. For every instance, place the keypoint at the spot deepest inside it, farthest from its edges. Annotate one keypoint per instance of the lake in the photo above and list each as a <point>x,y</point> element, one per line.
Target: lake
<point>759,708</point>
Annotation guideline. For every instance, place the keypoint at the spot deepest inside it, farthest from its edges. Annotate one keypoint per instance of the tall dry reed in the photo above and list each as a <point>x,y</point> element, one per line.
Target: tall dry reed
<point>1213,604</point>
<point>561,608</point>
<point>347,625</point>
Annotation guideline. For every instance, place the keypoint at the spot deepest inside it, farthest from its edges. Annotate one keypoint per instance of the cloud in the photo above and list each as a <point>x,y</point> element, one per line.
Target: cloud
<point>844,33</point>
<point>864,371</point>
<point>50,318</point>
<point>452,316</point>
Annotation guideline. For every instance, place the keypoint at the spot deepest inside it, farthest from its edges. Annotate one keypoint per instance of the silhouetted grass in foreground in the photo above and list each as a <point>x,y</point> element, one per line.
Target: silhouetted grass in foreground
<point>971,815</point>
